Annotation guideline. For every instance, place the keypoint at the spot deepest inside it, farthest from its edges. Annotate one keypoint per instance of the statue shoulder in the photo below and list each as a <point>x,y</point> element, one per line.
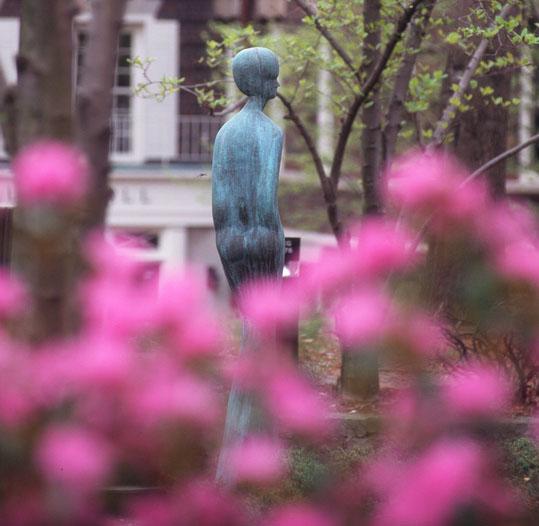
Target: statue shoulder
<point>276,131</point>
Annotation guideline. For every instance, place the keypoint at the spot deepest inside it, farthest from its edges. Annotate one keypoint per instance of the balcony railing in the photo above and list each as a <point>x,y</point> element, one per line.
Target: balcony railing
<point>196,135</point>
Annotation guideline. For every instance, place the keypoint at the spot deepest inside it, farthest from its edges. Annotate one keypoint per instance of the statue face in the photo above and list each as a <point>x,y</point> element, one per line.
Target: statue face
<point>255,72</point>
<point>270,88</point>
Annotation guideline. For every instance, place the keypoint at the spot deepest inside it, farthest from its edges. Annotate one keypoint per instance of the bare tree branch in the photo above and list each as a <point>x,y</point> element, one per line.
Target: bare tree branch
<point>328,189</point>
<point>502,157</point>
<point>402,79</point>
<point>94,101</point>
<point>366,89</point>
<point>451,109</point>
<point>311,11</point>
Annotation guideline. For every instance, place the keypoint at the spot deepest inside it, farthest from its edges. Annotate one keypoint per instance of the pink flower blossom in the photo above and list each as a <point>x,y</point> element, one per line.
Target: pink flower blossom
<point>519,261</point>
<point>382,248</point>
<point>257,460</point>
<point>505,223</point>
<point>335,269</point>
<point>427,491</point>
<point>295,405</point>
<point>270,305</point>
<point>420,332</point>
<point>363,318</point>
<point>50,172</point>
<point>16,406</point>
<point>99,363</point>
<point>183,312</point>
<point>477,391</point>
<point>167,397</point>
<point>300,515</point>
<point>198,503</point>
<point>74,458</point>
<point>13,295</point>
<point>431,185</point>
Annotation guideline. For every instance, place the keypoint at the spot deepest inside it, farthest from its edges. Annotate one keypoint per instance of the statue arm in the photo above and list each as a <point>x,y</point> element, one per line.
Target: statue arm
<point>273,160</point>
<point>219,189</point>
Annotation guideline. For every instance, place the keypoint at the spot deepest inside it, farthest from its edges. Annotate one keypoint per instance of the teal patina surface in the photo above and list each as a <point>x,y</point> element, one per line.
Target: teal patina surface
<point>245,176</point>
<point>249,234</point>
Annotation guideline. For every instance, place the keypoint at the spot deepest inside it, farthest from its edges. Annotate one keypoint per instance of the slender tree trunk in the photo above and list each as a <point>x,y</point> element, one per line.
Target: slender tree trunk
<point>94,103</point>
<point>45,241</point>
<point>359,371</point>
<point>371,141</point>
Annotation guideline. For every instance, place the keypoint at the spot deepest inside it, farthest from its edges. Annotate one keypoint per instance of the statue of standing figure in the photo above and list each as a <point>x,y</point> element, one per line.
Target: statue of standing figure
<point>245,176</point>
<point>249,234</point>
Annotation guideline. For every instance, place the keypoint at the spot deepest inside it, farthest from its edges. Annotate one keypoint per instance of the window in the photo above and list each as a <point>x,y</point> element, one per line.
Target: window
<point>122,108</point>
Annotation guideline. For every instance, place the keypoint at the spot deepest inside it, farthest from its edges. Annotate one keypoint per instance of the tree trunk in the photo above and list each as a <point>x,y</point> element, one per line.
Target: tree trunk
<point>371,141</point>
<point>94,104</point>
<point>45,240</point>
<point>359,371</point>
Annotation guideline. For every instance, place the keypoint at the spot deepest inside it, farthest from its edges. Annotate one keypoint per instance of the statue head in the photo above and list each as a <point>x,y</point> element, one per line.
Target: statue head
<point>255,71</point>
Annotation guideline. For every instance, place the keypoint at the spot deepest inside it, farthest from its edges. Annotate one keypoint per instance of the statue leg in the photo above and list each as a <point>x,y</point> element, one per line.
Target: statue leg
<point>244,414</point>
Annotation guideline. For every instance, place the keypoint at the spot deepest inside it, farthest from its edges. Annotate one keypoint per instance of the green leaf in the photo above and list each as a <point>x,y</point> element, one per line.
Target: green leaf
<point>452,38</point>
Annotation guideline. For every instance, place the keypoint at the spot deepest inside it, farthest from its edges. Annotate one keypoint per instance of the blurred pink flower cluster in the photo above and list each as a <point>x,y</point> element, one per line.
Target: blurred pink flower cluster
<point>137,395</point>
<point>52,173</point>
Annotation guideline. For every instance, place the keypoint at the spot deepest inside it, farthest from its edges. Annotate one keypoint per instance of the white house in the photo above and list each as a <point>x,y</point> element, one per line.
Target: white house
<point>161,151</point>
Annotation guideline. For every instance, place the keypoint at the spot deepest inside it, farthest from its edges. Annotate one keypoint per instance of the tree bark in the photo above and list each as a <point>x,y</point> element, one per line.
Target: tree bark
<point>359,371</point>
<point>371,141</point>
<point>94,103</point>
<point>45,240</point>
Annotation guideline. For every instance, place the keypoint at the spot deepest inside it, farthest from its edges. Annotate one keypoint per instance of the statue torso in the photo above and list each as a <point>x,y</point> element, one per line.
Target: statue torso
<point>245,174</point>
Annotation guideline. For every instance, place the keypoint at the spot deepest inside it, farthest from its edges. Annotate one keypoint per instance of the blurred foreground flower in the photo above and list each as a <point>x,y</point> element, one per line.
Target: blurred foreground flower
<point>257,460</point>
<point>50,172</point>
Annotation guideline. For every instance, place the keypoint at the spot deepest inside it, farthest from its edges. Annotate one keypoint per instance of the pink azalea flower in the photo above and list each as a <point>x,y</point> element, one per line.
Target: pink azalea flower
<point>257,460</point>
<point>100,363</point>
<point>270,305</point>
<point>74,458</point>
<point>382,249</point>
<point>17,394</point>
<point>505,223</point>
<point>300,515</point>
<point>519,261</point>
<point>168,398</point>
<point>198,503</point>
<point>115,307</point>
<point>427,491</point>
<point>432,185</point>
<point>420,332</point>
<point>16,407</point>
<point>184,313</point>
<point>363,318</point>
<point>477,391</point>
<point>335,270</point>
<point>13,295</point>
<point>107,259</point>
<point>295,405</point>
<point>50,172</point>
<point>154,510</point>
